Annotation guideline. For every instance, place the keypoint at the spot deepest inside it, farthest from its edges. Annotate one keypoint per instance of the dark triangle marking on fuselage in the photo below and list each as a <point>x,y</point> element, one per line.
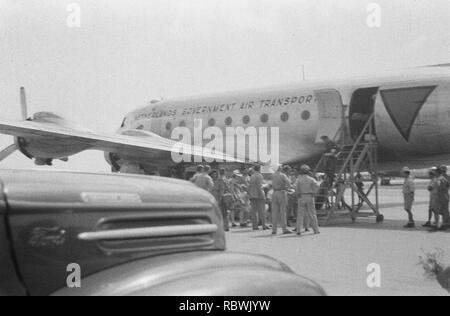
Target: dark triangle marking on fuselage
<point>404,105</point>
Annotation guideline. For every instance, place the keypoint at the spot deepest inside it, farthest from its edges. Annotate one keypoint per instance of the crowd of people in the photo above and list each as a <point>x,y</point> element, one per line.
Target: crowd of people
<point>290,201</point>
<point>245,198</point>
<point>438,212</point>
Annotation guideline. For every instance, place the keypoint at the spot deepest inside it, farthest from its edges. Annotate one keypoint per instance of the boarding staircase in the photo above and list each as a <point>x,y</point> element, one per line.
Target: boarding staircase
<point>353,158</point>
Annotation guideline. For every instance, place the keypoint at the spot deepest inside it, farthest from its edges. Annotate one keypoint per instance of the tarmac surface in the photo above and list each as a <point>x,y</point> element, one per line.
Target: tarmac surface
<point>339,257</point>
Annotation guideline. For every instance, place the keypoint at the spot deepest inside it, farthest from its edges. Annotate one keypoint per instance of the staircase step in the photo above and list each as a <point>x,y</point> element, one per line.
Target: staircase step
<point>347,158</point>
<point>360,145</point>
<point>352,146</point>
<point>349,152</point>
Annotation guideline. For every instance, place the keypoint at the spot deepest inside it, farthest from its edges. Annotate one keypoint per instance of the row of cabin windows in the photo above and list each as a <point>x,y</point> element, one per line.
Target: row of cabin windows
<point>306,115</point>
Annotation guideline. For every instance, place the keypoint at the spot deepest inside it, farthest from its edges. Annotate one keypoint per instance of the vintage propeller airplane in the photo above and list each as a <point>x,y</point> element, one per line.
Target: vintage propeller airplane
<point>411,111</point>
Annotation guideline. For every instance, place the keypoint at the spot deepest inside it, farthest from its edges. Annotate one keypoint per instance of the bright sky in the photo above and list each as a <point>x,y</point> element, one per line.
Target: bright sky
<point>129,52</point>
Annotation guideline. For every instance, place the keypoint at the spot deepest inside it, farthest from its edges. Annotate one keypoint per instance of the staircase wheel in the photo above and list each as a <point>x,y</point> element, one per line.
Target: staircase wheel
<point>380,218</point>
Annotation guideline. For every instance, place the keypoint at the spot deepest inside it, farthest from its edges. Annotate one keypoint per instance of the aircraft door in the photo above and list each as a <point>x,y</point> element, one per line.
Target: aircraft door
<point>331,113</point>
<point>362,106</point>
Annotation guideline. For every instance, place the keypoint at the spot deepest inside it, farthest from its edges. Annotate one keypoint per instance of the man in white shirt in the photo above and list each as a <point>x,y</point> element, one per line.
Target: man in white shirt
<point>306,188</point>
<point>257,199</point>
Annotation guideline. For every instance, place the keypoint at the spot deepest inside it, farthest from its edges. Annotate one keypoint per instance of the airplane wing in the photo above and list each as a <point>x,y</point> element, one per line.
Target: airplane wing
<point>138,142</point>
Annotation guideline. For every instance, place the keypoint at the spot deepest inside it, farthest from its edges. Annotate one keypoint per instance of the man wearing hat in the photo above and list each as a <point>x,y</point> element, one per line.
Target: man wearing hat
<point>238,193</point>
<point>226,200</point>
<point>306,188</point>
<point>281,184</point>
<point>444,197</point>
<point>257,198</point>
<point>409,190</point>
<point>202,178</point>
<point>433,209</point>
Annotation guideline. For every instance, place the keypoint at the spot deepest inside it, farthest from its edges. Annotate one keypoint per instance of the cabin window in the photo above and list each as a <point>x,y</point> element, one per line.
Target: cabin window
<point>306,115</point>
<point>264,118</point>
<point>285,117</point>
<point>246,120</point>
<point>228,121</point>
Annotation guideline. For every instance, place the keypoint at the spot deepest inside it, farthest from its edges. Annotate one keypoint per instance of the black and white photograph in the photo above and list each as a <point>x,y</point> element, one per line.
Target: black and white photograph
<point>224,153</point>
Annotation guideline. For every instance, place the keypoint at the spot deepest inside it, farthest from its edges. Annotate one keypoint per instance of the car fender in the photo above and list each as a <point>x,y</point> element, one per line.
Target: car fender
<point>198,274</point>
<point>10,283</point>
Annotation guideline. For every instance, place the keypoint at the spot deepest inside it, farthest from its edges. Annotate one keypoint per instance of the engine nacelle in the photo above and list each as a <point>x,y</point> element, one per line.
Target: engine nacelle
<point>154,159</point>
<point>44,151</point>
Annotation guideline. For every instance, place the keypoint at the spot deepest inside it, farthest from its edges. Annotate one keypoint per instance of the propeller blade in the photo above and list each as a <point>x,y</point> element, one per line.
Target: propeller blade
<point>8,151</point>
<point>23,103</point>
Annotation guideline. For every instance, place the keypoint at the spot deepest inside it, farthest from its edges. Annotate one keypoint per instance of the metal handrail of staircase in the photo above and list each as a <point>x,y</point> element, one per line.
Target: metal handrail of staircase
<point>361,158</point>
<point>356,144</point>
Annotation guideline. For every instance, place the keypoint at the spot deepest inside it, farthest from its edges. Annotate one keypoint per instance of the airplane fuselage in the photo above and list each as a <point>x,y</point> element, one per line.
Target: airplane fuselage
<point>411,113</point>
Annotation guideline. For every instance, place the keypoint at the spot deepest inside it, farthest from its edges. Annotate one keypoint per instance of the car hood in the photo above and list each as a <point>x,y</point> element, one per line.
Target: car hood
<point>100,221</point>
<point>25,186</point>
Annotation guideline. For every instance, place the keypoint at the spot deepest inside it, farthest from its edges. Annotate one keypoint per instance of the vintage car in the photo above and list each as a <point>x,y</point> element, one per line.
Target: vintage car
<point>128,235</point>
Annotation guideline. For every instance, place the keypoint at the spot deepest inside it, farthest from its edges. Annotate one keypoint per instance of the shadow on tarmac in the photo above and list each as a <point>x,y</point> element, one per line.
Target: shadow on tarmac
<point>392,225</point>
